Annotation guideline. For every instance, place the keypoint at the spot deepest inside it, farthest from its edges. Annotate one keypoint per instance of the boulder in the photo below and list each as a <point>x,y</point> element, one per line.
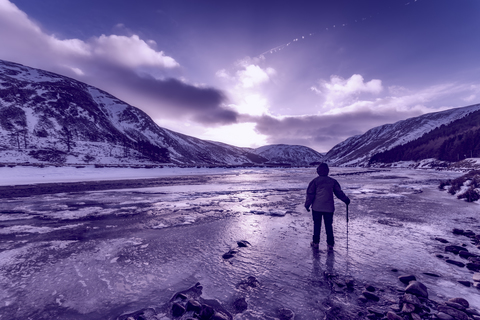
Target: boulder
<point>417,288</point>
<point>461,301</point>
<point>457,314</point>
<point>454,249</point>
<point>456,263</point>
<point>240,305</point>
<point>444,316</point>
<point>177,310</point>
<point>473,266</point>
<point>407,278</point>
<point>370,296</point>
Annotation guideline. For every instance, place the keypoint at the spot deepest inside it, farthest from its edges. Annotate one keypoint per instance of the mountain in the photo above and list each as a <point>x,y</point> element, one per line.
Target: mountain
<point>427,133</point>
<point>281,153</point>
<point>46,117</point>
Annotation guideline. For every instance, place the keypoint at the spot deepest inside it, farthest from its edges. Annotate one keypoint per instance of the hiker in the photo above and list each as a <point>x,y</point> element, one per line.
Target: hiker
<point>320,193</point>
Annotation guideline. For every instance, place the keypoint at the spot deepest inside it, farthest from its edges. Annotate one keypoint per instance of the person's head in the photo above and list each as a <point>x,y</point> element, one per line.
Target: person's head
<point>323,169</point>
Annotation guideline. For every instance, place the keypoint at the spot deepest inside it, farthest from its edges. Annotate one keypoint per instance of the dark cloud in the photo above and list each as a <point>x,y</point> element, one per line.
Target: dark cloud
<point>164,98</point>
<point>320,132</point>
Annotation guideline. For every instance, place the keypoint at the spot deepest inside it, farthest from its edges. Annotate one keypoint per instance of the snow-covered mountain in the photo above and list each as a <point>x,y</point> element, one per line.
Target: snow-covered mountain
<point>46,117</point>
<point>281,153</point>
<point>359,150</point>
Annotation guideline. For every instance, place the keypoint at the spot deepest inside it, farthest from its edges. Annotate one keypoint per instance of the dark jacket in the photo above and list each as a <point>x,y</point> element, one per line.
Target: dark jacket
<point>320,191</point>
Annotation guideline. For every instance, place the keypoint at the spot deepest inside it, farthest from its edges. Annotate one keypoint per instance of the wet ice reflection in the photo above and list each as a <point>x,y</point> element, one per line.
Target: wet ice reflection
<point>94,255</point>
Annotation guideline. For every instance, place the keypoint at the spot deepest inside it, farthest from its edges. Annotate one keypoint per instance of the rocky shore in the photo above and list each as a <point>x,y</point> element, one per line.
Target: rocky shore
<point>349,298</point>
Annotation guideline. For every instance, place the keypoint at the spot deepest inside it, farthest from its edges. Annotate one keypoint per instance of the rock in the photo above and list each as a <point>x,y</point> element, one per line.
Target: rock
<point>412,299</point>
<point>206,313</point>
<point>285,314</point>
<point>362,298</point>
<point>465,283</point>
<point>194,306</point>
<point>407,278</point>
<point>457,231</point>
<point>230,254</point>
<point>243,243</point>
<point>440,256</point>
<point>370,296</point>
<point>415,316</point>
<point>454,249</point>
<point>394,270</point>
<point>444,316</point>
<point>408,308</point>
<point>466,254</point>
<point>476,285</point>
<point>431,274</point>
<point>455,305</point>
<point>393,316</point>
<point>457,263</point>
<point>473,266</point>
<point>219,316</point>
<point>378,313</point>
<point>240,305</point>
<point>350,283</point>
<point>177,310</point>
<point>472,312</point>
<point>417,288</point>
<point>370,288</point>
<point>461,301</point>
<point>441,240</point>
<point>475,317</point>
<point>457,314</point>
<point>469,233</point>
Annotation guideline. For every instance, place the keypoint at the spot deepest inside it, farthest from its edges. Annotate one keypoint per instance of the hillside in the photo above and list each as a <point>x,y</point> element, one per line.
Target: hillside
<point>359,150</point>
<point>49,118</point>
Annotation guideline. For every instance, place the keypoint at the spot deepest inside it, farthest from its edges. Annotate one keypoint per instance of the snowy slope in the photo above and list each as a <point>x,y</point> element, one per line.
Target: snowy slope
<point>281,153</point>
<point>357,150</point>
<point>46,117</point>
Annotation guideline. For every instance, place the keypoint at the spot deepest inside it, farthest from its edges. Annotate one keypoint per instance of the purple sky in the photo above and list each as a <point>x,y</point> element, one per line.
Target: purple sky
<point>251,73</point>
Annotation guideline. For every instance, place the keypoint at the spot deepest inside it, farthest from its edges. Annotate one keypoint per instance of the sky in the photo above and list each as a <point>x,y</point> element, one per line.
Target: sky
<point>251,73</point>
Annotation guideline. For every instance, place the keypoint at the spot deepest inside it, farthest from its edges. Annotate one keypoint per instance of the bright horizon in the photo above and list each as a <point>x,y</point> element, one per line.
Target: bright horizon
<point>252,73</point>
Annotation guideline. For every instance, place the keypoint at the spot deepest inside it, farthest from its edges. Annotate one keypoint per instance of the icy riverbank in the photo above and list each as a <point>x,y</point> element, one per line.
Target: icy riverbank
<point>97,255</point>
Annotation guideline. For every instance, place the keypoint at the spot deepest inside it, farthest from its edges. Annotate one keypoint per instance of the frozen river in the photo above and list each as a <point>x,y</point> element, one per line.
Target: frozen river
<point>100,254</point>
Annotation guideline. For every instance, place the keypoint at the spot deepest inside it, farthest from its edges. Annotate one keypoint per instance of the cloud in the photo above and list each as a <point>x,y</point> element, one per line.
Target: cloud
<point>338,91</point>
<point>125,66</point>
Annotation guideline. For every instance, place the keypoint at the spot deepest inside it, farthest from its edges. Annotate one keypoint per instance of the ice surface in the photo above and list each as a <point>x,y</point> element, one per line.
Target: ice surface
<point>96,255</point>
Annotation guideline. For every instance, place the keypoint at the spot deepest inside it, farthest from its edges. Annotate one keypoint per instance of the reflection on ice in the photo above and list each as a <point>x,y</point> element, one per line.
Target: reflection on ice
<point>96,255</point>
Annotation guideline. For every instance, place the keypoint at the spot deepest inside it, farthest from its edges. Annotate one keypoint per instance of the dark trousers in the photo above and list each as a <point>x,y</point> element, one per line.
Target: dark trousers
<point>317,225</point>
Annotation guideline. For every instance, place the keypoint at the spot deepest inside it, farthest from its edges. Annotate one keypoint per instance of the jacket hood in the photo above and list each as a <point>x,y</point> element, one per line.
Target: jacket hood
<point>323,169</point>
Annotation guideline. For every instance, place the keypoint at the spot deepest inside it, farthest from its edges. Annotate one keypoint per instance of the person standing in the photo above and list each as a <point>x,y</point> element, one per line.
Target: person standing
<point>320,193</point>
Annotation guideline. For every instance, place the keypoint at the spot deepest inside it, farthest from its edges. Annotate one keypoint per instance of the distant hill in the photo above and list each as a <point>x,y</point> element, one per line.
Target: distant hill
<point>281,153</point>
<point>46,117</point>
<point>447,135</point>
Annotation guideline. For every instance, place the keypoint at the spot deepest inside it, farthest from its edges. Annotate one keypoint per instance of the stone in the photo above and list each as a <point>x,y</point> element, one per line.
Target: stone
<point>194,306</point>
<point>393,316</point>
<point>408,308</point>
<point>466,254</point>
<point>378,313</point>
<point>240,305</point>
<point>285,314</point>
<point>441,240</point>
<point>472,311</point>
<point>431,274</point>
<point>370,288</point>
<point>230,254</point>
<point>456,263</point>
<point>362,298</point>
<point>461,301</point>
<point>457,306</point>
<point>440,256</point>
<point>475,317</point>
<point>454,249</point>
<point>370,296</point>
<point>476,285</point>
<point>473,266</point>
<point>444,316</point>
<point>407,278</point>
<point>415,316</point>
<point>177,310</point>
<point>350,283</point>
<point>465,283</point>
<point>243,243</point>
<point>457,231</point>
<point>412,299</point>
<point>206,313</point>
<point>394,270</point>
<point>219,316</point>
<point>457,314</point>
<point>417,288</point>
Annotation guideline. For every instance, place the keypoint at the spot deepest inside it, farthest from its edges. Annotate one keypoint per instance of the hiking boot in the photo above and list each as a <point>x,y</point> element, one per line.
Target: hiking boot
<point>314,245</point>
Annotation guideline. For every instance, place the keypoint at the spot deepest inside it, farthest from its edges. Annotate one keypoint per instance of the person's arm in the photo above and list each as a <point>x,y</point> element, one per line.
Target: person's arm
<point>310,195</point>
<point>337,190</point>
